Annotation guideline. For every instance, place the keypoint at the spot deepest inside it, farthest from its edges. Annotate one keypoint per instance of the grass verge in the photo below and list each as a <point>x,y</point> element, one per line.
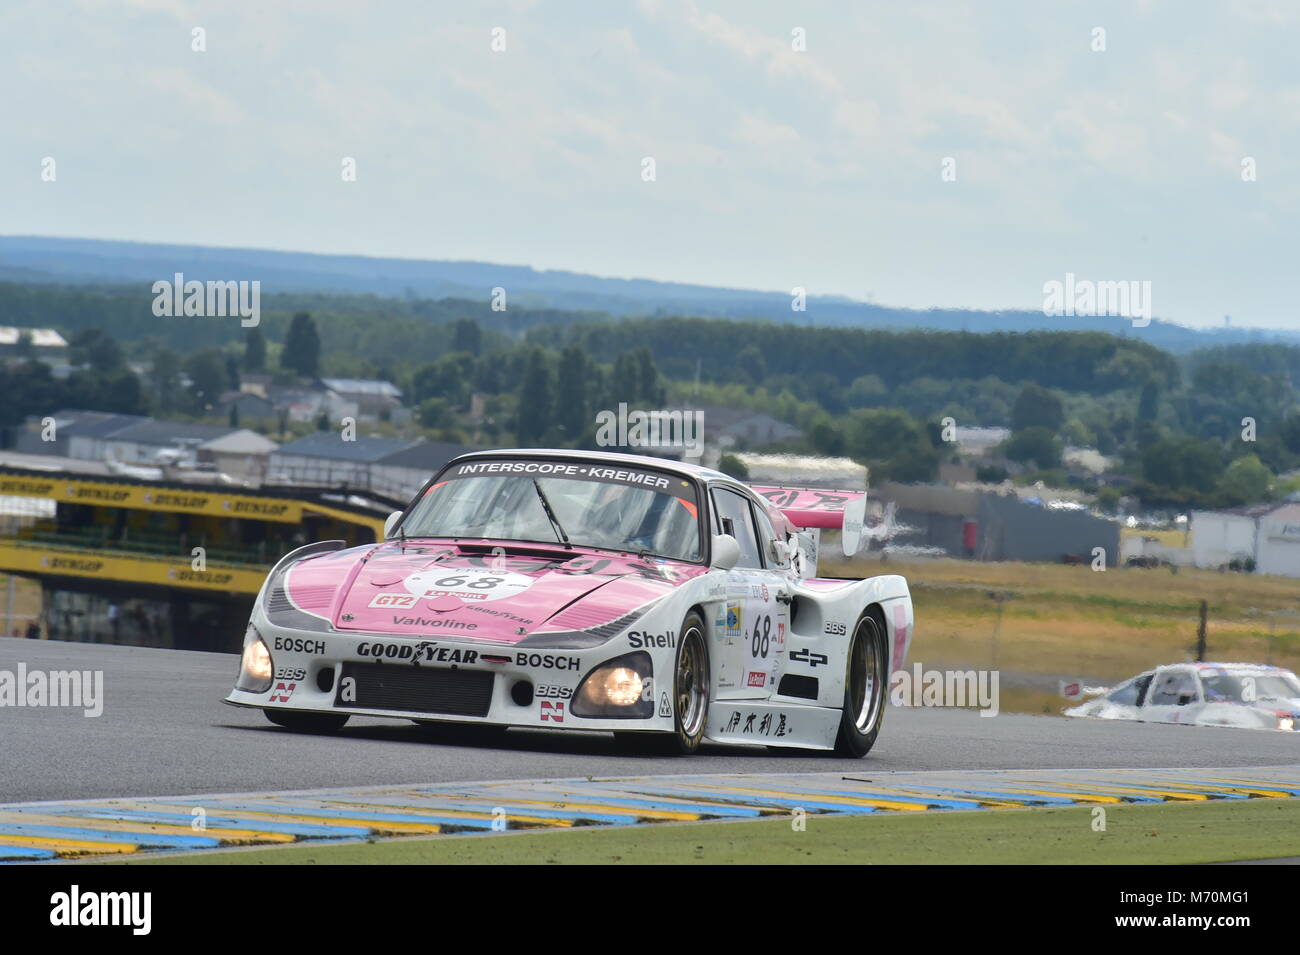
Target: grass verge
<point>1073,621</point>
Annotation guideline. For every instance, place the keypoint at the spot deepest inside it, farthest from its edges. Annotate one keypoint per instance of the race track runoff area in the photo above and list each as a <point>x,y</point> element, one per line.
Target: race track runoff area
<point>123,828</point>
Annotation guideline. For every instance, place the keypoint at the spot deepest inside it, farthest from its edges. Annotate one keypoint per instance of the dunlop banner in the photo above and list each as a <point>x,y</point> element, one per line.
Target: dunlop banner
<point>138,497</point>
<point>164,572</point>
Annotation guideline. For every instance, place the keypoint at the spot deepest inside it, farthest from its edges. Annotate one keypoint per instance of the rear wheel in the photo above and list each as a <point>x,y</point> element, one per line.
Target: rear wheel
<point>690,697</point>
<point>865,682</point>
<point>307,722</point>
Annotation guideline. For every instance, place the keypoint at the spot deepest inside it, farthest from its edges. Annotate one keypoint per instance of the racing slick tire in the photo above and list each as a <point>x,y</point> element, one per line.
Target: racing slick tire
<point>866,683</point>
<point>690,699</point>
<point>307,722</point>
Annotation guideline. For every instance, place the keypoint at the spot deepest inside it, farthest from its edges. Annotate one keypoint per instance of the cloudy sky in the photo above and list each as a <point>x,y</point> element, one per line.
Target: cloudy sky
<point>775,167</point>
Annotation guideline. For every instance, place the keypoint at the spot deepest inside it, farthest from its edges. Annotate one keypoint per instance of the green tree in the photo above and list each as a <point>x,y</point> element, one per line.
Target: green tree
<point>730,464</point>
<point>536,395</point>
<point>450,377</point>
<point>892,444</point>
<point>1037,408</point>
<point>436,413</point>
<point>1246,481</point>
<point>121,393</point>
<point>867,391</point>
<point>466,336</point>
<point>165,380</point>
<point>208,377</point>
<point>1180,471</point>
<point>574,391</point>
<point>750,360</point>
<point>1077,434</point>
<point>1149,402</point>
<point>301,352</point>
<point>254,350</point>
<point>1037,445</point>
<point>91,346</point>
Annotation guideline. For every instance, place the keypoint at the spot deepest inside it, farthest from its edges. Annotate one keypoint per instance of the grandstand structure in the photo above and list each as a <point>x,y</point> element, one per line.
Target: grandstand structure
<point>92,554</point>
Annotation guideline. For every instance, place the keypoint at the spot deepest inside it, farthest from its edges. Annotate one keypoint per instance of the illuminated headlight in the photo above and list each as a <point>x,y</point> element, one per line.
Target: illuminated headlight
<point>619,688</point>
<point>255,666</point>
<point>1286,723</point>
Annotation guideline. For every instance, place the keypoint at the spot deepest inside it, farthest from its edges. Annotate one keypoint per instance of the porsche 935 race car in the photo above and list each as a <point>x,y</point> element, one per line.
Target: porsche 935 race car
<point>1203,694</point>
<point>572,590</point>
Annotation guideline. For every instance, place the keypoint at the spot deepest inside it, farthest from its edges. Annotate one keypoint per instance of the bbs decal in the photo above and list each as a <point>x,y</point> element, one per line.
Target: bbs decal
<point>836,628</point>
<point>290,673</point>
<point>555,692</point>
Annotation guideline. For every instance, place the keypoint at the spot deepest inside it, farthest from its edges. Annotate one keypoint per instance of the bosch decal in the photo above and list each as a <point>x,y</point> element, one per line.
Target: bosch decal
<point>298,645</point>
<point>546,661</point>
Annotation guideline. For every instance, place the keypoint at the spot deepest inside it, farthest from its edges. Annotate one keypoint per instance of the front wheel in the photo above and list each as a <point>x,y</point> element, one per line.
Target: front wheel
<point>865,681</point>
<point>307,722</point>
<point>690,697</point>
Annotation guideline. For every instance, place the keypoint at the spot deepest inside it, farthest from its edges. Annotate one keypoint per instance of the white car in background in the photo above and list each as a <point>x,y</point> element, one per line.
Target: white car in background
<point>1203,694</point>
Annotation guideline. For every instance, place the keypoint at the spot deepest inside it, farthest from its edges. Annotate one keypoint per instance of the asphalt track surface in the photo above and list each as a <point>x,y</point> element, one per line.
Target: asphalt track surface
<point>165,731</point>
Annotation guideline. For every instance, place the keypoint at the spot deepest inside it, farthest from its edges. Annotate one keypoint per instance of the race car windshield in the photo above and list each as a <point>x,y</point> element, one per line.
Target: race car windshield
<point>612,508</point>
<point>1241,688</point>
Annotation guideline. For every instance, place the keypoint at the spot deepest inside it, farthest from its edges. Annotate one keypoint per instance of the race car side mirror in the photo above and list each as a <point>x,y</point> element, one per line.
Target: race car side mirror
<point>391,524</point>
<point>726,552</point>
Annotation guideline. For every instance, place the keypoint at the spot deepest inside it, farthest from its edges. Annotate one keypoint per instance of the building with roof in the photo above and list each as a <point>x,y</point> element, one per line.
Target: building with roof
<point>308,404</point>
<point>139,440</point>
<point>43,344</point>
<point>933,520</point>
<point>72,433</point>
<point>409,468</point>
<point>373,399</point>
<point>243,454</point>
<point>1263,536</point>
<point>744,428</point>
<point>393,467</point>
<point>247,405</point>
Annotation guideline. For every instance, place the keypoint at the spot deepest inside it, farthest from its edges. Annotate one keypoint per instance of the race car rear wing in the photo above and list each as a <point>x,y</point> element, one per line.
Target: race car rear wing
<point>821,508</point>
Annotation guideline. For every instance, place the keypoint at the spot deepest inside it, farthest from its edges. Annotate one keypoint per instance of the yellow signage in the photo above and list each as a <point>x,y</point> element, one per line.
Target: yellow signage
<point>143,497</point>
<point>162,571</point>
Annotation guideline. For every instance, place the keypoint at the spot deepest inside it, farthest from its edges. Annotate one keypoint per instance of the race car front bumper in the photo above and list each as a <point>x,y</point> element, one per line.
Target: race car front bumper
<point>607,687</point>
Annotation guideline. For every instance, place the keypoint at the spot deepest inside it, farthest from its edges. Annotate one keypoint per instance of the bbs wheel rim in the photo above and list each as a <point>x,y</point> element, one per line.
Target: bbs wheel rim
<point>692,683</point>
<point>866,675</point>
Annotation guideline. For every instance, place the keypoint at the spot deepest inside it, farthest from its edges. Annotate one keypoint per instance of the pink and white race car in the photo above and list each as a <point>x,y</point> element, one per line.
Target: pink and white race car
<point>572,590</point>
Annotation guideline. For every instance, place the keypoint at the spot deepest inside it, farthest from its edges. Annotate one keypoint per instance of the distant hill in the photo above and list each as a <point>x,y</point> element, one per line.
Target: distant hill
<point>95,261</point>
